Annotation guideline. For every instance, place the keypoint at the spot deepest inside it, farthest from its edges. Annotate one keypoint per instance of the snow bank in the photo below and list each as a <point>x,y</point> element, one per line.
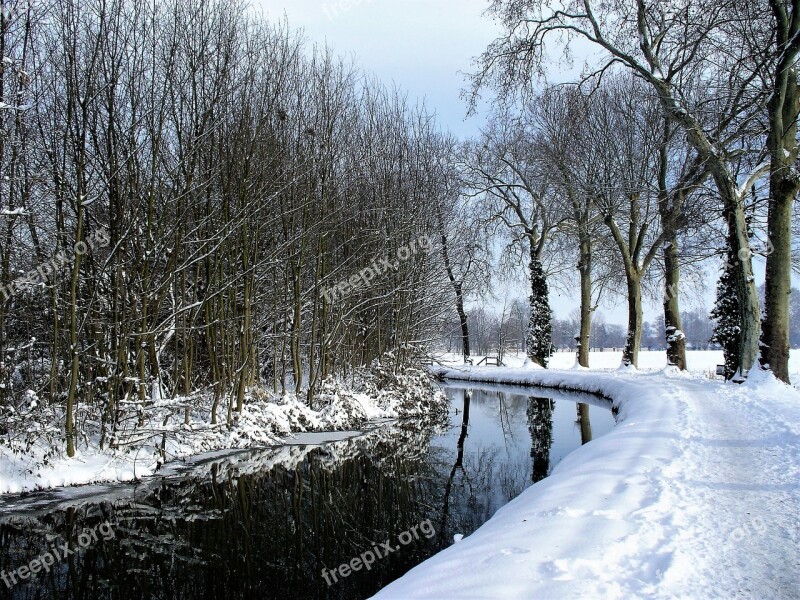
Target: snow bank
<point>32,455</point>
<point>385,442</point>
<point>693,495</point>
<point>700,361</point>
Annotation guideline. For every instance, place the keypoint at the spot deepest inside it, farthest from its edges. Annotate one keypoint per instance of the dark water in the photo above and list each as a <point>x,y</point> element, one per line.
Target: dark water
<point>264,524</point>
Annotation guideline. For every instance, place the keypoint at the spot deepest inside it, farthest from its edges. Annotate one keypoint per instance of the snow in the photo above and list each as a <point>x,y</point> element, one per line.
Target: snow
<point>676,336</point>
<point>262,424</point>
<point>33,458</point>
<point>700,361</point>
<point>694,494</point>
<point>758,172</point>
<point>7,212</point>
<point>5,106</point>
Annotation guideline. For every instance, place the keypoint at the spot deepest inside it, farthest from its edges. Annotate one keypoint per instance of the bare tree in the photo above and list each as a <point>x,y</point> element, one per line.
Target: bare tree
<point>562,116</point>
<point>518,200</point>
<point>783,109</point>
<point>668,47</point>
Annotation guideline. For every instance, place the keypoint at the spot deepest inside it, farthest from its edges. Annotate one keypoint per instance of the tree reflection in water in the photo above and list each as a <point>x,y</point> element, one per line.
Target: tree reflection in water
<point>242,533</point>
<point>540,424</point>
<point>585,424</point>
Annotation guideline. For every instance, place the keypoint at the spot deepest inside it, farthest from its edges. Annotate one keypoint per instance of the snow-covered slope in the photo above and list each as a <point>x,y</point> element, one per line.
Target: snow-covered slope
<point>693,495</point>
<point>32,456</point>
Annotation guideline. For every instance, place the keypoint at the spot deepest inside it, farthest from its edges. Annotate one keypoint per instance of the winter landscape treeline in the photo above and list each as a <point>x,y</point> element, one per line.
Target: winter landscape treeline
<point>505,330</point>
<point>237,172</point>
<point>271,217</point>
<point>680,99</point>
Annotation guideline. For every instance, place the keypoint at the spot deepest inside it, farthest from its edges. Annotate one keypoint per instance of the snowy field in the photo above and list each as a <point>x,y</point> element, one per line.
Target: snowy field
<point>700,361</point>
<point>694,494</point>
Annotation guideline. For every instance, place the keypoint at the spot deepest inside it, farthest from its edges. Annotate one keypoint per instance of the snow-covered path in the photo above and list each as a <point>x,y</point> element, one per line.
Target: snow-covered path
<point>694,494</point>
<point>738,475</point>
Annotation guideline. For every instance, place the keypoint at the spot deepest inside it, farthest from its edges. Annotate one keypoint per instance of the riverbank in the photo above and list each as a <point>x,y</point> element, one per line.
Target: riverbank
<point>694,494</point>
<point>157,433</point>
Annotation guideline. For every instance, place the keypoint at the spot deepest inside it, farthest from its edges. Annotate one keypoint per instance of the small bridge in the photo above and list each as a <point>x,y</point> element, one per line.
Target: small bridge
<point>491,360</point>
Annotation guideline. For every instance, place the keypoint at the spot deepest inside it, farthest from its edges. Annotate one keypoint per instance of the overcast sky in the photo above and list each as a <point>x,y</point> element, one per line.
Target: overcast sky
<point>421,45</point>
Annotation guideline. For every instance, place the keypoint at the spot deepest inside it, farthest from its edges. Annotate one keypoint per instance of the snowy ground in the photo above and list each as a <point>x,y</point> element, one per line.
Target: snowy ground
<point>32,456</point>
<point>700,361</point>
<point>693,495</point>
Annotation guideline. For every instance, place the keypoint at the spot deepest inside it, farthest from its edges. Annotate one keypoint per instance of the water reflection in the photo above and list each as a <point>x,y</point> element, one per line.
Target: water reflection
<point>458,465</point>
<point>585,422</point>
<point>265,524</point>
<point>540,424</point>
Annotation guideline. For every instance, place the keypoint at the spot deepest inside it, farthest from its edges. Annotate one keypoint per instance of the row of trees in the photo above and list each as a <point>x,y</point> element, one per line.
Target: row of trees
<point>658,157</point>
<point>237,172</point>
<point>265,203</point>
<point>493,331</point>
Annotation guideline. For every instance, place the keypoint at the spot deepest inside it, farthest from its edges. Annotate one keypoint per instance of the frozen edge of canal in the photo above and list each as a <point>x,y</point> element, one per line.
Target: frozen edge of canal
<point>693,494</point>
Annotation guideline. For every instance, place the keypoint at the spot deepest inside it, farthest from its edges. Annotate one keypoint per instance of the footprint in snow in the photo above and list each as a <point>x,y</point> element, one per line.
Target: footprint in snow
<point>509,551</point>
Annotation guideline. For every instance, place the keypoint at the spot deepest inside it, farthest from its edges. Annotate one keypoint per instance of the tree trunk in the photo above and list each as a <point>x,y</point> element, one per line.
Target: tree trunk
<point>296,341</point>
<point>670,207</point>
<point>464,322</point>
<point>458,288</point>
<point>746,290</point>
<point>733,212</point>
<point>631,354</point>
<point>245,346</point>
<point>676,340</point>
<point>775,336</point>
<point>585,269</point>
<point>538,340</point>
<point>73,337</point>
<point>784,183</point>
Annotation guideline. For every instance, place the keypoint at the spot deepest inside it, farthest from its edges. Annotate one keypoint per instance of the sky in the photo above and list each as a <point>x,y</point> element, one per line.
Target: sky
<point>426,47</point>
<point>423,46</point>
